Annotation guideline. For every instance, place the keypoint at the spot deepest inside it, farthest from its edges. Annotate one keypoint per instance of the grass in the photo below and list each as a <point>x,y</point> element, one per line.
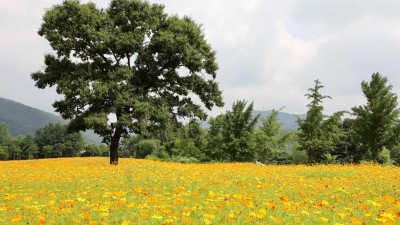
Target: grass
<point>89,191</point>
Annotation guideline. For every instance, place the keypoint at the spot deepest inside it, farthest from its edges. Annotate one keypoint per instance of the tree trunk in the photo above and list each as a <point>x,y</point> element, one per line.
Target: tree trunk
<point>114,146</point>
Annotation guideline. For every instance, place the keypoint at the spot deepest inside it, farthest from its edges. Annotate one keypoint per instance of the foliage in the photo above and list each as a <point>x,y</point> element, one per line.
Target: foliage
<point>299,157</point>
<point>130,60</point>
<point>280,157</point>
<point>395,155</point>
<point>145,148</point>
<point>190,141</point>
<point>347,149</point>
<point>14,149</point>
<point>28,147</point>
<point>4,135</point>
<point>384,157</point>
<point>5,141</point>
<point>3,152</point>
<point>270,137</point>
<point>330,159</point>
<point>53,140</point>
<point>316,135</point>
<point>229,137</point>
<point>377,122</point>
<point>95,150</point>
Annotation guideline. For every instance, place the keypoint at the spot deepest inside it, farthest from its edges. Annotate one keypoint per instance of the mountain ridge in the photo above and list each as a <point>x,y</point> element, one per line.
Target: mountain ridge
<point>21,119</point>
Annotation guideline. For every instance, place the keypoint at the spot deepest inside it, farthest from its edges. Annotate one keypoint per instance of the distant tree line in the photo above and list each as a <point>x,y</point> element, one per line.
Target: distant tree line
<point>370,132</point>
<point>50,141</point>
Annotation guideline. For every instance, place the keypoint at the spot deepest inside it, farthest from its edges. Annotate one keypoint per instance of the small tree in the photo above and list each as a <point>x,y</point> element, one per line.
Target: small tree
<point>377,122</point>
<point>130,61</point>
<point>270,137</point>
<point>233,133</point>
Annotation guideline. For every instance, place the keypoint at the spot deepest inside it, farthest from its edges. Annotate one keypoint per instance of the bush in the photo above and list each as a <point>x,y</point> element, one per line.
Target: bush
<point>384,157</point>
<point>146,147</point>
<point>330,159</point>
<point>159,154</point>
<point>395,155</point>
<point>185,159</point>
<point>281,157</point>
<point>299,157</point>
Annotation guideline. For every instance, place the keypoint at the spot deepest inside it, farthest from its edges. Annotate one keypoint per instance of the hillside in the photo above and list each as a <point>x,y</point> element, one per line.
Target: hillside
<point>22,120</point>
<point>288,120</point>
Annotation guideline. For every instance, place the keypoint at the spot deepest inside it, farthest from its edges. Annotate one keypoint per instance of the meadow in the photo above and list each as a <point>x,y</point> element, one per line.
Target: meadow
<point>90,191</point>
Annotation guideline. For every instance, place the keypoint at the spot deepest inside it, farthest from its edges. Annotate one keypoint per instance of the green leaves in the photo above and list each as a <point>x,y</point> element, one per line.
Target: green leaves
<point>269,137</point>
<point>230,135</point>
<point>377,121</point>
<point>318,136</point>
<point>130,60</point>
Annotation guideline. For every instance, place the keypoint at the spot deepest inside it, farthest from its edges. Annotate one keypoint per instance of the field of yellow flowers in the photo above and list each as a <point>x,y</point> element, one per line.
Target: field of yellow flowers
<point>89,191</point>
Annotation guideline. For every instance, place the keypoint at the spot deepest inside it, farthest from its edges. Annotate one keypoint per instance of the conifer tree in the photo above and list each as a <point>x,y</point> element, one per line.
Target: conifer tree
<point>317,135</point>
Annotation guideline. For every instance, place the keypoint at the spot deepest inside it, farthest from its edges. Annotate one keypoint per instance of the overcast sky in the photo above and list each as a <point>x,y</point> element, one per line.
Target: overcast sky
<point>268,51</point>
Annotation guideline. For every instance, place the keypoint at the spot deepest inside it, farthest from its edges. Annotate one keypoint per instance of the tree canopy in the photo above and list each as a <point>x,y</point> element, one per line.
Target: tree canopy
<point>131,61</point>
<point>377,122</point>
<point>317,135</point>
<point>230,134</point>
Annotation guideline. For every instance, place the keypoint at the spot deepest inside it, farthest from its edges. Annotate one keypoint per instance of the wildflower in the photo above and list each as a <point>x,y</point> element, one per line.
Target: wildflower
<point>157,217</point>
<point>324,219</point>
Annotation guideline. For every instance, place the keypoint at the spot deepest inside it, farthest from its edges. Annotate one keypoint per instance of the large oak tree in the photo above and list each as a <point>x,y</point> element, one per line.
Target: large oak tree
<point>130,61</point>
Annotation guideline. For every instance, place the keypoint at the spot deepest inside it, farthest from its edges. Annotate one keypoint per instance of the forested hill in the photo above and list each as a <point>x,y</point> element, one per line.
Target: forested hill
<point>22,120</point>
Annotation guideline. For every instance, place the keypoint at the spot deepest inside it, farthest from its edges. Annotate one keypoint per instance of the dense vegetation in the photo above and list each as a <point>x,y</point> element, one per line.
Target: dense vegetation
<point>234,136</point>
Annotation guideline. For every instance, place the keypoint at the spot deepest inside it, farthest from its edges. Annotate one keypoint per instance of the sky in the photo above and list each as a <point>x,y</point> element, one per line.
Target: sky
<point>269,52</point>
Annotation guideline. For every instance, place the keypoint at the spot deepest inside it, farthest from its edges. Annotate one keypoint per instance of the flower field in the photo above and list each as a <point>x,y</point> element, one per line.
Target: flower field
<point>89,191</point>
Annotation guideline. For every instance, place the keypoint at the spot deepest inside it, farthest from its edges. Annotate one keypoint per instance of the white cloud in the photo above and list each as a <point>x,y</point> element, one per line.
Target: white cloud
<point>268,51</point>
<point>13,8</point>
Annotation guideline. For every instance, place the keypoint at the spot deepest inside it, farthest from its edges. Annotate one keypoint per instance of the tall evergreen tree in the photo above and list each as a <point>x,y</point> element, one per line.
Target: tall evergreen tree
<point>317,135</point>
<point>377,122</point>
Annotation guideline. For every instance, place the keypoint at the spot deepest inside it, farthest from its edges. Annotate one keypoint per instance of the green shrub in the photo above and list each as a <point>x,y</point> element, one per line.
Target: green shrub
<point>384,157</point>
<point>146,147</point>
<point>184,159</point>
<point>299,157</point>
<point>330,159</point>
